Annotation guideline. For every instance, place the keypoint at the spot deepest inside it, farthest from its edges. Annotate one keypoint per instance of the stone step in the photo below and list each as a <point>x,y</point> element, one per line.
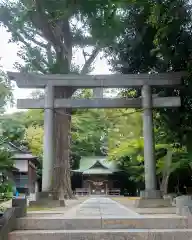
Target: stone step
<point>139,234</point>
<point>59,223</point>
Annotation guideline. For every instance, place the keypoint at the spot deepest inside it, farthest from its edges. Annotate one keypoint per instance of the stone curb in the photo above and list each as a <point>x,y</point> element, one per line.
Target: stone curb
<point>59,223</point>
<point>102,234</point>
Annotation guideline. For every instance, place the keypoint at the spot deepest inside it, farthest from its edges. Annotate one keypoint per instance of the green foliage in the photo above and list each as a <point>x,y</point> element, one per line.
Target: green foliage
<point>129,155</point>
<point>5,159</point>
<point>34,117</point>
<point>137,36</point>
<point>6,163</point>
<point>6,191</point>
<point>157,38</point>
<point>171,21</point>
<point>6,96</point>
<point>87,130</point>
<point>178,158</point>
<point>124,124</point>
<point>12,129</point>
<point>48,30</point>
<point>169,158</point>
<point>34,138</point>
<point>75,161</point>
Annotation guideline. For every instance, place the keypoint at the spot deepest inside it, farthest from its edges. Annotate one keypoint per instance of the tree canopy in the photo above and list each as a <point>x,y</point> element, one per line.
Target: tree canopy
<point>136,37</point>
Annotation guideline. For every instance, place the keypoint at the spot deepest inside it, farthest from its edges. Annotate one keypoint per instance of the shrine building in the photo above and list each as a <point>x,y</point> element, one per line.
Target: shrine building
<point>96,176</point>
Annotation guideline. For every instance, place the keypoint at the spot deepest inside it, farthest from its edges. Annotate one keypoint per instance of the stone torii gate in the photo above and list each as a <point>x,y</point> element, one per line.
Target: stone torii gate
<point>147,102</point>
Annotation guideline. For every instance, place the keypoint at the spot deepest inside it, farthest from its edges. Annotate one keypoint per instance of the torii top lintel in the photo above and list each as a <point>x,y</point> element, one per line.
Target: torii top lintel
<point>32,80</point>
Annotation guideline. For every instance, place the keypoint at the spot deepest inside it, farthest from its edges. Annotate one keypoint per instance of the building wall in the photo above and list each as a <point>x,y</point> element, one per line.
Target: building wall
<point>21,165</point>
<point>32,178</point>
<point>26,177</point>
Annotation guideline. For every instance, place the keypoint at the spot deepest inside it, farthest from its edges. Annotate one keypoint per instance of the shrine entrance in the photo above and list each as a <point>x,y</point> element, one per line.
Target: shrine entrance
<point>98,187</point>
<point>147,102</point>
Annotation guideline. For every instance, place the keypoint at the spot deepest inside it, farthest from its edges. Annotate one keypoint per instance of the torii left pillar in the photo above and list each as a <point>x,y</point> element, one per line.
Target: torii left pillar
<point>49,140</point>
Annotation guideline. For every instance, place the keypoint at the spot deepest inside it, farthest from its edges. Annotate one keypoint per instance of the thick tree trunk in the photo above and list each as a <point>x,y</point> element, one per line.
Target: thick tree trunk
<point>164,185</point>
<point>62,175</point>
<point>166,172</point>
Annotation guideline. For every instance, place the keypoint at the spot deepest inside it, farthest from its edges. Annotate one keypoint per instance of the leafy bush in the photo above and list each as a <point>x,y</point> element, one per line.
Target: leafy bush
<point>2,210</point>
<point>6,191</point>
<point>6,161</point>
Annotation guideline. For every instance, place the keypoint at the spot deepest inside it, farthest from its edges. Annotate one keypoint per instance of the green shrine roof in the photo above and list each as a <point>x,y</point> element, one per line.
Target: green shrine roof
<point>96,165</point>
<point>97,171</point>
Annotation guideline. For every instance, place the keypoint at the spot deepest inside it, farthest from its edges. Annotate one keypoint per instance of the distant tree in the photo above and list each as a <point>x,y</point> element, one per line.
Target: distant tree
<point>6,161</point>
<point>34,138</point>
<point>6,96</point>
<point>12,130</point>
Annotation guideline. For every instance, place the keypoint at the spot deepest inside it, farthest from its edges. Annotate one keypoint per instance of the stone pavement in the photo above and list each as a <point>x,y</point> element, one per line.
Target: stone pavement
<point>100,207</point>
<point>101,218</point>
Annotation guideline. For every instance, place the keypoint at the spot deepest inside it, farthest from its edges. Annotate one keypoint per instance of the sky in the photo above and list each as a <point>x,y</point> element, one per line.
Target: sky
<point>8,56</point>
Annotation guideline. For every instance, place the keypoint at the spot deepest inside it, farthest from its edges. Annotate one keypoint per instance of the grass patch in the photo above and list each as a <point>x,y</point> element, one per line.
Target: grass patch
<point>125,198</point>
<point>133,198</point>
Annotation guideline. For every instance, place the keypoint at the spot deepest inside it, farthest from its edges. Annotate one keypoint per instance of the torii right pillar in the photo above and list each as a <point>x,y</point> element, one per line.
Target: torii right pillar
<point>151,191</point>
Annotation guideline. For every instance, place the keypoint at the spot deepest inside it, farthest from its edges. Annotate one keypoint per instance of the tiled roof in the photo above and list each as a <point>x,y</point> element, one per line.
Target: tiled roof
<point>20,154</point>
<point>97,171</point>
<point>96,165</point>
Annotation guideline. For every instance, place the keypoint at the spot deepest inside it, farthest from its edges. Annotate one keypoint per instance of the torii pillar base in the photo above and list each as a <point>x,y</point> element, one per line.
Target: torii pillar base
<point>152,199</point>
<point>150,194</point>
<point>46,199</point>
<point>152,203</point>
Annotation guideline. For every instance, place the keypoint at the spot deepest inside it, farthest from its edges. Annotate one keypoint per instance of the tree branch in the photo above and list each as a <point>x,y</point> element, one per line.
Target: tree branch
<point>84,55</point>
<point>49,54</point>
<point>82,41</point>
<point>18,35</point>
<point>67,38</point>
<point>32,39</point>
<point>90,60</point>
<point>38,67</point>
<point>40,21</point>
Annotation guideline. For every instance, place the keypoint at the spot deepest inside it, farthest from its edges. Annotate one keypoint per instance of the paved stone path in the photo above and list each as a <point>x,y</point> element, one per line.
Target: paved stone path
<point>100,207</point>
<point>101,218</point>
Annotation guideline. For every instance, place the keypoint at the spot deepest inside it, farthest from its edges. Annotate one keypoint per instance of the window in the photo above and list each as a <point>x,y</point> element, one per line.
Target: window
<point>21,180</point>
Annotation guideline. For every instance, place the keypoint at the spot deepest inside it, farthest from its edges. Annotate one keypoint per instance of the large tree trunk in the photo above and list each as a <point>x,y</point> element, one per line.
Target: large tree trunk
<point>62,175</point>
<point>164,184</point>
<point>166,172</point>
